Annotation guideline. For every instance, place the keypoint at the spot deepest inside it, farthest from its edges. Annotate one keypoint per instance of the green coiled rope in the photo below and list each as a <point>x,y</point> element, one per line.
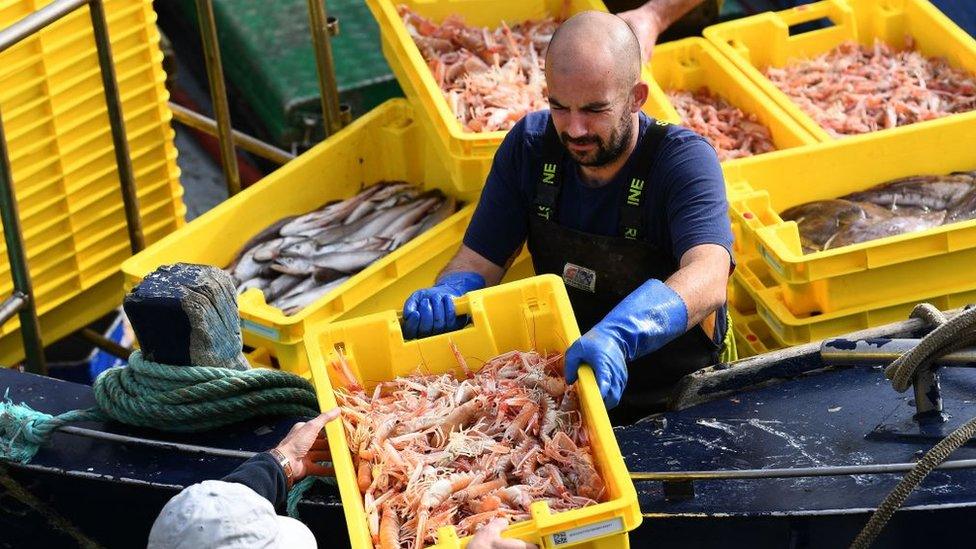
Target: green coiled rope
<point>164,397</point>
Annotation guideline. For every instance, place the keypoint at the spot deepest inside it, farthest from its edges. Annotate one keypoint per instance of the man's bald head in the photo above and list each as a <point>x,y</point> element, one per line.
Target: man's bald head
<point>595,42</point>
<point>594,86</point>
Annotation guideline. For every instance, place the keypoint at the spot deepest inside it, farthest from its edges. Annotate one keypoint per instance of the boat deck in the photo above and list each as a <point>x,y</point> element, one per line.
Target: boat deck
<point>820,418</point>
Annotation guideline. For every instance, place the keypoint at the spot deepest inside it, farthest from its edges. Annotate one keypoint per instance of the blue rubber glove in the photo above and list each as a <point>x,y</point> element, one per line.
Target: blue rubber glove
<point>431,310</point>
<point>647,319</point>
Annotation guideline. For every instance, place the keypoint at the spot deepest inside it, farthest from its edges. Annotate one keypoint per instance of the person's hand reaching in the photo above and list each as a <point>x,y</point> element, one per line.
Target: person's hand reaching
<point>489,536</point>
<point>305,445</point>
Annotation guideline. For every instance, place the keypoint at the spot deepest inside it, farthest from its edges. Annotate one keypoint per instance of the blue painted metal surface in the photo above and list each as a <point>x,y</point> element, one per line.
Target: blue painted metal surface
<point>962,12</point>
<point>817,420</point>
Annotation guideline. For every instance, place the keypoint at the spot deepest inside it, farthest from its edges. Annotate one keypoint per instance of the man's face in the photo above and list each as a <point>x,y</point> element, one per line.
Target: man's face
<point>592,115</point>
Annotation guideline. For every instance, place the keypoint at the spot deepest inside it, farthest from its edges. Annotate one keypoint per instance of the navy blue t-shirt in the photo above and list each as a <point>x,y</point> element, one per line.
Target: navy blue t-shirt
<point>684,196</point>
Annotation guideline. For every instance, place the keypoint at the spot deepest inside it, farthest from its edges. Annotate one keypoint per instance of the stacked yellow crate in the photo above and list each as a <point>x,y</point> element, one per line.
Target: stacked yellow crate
<point>804,297</point>
<point>63,162</point>
<point>781,296</point>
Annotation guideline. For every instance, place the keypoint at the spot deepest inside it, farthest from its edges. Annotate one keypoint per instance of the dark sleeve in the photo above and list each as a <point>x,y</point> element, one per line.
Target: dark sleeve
<point>264,475</point>
<point>500,223</point>
<point>698,212</point>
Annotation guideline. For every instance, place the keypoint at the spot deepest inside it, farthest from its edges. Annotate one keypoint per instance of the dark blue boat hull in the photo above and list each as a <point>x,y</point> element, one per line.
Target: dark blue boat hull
<point>789,412</point>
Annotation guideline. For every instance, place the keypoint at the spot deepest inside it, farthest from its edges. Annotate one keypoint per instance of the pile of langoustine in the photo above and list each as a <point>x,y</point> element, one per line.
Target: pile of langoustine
<point>490,77</point>
<point>855,89</point>
<point>435,450</point>
<point>731,132</point>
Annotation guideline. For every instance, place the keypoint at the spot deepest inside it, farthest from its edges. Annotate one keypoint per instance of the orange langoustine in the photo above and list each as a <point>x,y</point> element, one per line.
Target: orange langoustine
<point>731,132</point>
<point>855,89</point>
<point>491,78</point>
<point>434,450</point>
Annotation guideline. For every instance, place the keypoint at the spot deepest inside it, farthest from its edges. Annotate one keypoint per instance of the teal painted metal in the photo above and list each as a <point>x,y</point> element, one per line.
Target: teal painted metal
<point>268,59</point>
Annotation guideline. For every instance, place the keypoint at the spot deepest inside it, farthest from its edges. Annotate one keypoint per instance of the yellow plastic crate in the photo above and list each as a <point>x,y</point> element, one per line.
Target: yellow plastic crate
<point>860,275</point>
<point>756,42</point>
<point>753,296</point>
<point>530,314</point>
<point>261,358</point>
<point>63,161</point>
<point>692,63</point>
<point>72,309</point>
<point>752,336</point>
<point>385,144</point>
<point>106,233</point>
<point>467,155</point>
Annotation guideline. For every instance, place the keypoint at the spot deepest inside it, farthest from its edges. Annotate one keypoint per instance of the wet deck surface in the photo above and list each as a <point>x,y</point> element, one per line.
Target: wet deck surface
<point>818,420</point>
<point>113,461</point>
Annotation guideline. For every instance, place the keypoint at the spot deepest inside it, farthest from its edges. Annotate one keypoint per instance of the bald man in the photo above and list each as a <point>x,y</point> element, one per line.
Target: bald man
<point>630,212</point>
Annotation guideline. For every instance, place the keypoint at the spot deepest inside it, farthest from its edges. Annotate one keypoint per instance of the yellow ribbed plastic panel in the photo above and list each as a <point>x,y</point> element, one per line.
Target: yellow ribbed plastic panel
<point>534,313</point>
<point>755,299</point>
<point>751,334</point>
<point>63,163</point>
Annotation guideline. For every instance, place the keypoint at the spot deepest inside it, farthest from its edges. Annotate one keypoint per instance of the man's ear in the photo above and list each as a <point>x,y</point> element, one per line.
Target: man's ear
<point>639,95</point>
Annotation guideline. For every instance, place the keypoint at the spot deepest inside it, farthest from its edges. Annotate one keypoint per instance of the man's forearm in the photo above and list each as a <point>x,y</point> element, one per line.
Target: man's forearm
<point>701,281</point>
<point>666,12</point>
<point>262,474</point>
<point>467,260</point>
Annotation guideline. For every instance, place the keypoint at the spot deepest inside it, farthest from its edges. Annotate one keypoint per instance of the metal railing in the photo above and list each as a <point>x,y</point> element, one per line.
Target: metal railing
<point>21,302</point>
<point>23,298</point>
<point>334,116</point>
<point>680,485</point>
<point>250,144</point>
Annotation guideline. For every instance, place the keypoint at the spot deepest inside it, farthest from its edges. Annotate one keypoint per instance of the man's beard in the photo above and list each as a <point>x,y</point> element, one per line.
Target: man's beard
<point>605,152</point>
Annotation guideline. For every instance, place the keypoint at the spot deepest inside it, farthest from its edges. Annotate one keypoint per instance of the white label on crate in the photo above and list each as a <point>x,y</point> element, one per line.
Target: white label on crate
<point>590,531</point>
<point>770,260</point>
<point>773,323</point>
<point>263,331</point>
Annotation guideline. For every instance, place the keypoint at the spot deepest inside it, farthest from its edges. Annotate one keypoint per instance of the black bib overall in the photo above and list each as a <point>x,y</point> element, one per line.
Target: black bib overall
<point>600,271</point>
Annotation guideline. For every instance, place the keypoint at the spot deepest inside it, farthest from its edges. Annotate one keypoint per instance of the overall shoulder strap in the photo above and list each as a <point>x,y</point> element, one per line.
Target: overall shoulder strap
<point>550,175</point>
<point>632,209</point>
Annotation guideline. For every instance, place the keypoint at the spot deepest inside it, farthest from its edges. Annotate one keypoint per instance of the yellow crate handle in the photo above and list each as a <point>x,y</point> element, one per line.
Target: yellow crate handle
<point>811,12</point>
<point>462,306</point>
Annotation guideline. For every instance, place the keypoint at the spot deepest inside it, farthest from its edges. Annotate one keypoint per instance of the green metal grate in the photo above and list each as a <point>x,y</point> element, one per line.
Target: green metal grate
<point>268,59</point>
